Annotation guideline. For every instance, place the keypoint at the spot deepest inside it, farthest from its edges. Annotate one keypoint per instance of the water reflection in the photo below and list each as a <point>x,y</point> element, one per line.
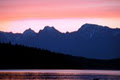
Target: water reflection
<point>57,75</point>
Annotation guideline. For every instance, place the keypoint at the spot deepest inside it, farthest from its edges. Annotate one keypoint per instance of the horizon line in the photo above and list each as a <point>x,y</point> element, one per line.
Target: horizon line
<point>56,29</point>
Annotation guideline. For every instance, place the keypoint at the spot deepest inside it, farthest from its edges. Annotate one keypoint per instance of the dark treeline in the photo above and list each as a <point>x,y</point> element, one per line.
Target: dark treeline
<point>21,57</point>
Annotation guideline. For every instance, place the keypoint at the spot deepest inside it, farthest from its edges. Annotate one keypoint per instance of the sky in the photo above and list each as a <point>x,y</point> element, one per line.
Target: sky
<point>64,15</point>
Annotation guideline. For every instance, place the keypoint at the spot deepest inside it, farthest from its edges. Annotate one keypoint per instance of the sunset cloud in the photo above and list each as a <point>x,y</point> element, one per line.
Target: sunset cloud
<point>20,9</point>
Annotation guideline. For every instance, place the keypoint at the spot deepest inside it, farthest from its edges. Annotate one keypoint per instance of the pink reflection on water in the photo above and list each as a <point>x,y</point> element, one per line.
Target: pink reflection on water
<point>81,72</point>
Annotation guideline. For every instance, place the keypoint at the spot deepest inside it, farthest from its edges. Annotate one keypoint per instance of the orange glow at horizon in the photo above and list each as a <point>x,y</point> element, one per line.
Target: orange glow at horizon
<point>65,15</point>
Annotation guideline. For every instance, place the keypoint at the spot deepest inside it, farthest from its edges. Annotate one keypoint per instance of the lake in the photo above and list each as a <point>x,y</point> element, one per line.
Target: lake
<point>59,75</point>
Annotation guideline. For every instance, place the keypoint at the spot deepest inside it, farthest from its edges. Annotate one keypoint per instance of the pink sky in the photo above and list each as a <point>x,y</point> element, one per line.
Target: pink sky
<point>65,15</point>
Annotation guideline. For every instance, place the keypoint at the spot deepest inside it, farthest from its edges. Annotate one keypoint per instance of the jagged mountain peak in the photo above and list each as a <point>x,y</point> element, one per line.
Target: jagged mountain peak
<point>29,31</point>
<point>92,27</point>
<point>49,29</point>
<point>87,25</point>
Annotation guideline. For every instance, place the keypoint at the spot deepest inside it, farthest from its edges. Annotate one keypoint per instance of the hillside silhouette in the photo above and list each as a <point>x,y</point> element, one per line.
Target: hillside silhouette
<point>21,57</point>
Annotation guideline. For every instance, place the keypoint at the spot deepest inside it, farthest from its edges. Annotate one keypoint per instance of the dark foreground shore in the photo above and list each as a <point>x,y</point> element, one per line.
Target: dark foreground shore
<point>21,57</point>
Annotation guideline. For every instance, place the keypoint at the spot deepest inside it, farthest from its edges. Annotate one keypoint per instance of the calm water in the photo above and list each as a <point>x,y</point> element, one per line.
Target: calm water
<point>59,75</point>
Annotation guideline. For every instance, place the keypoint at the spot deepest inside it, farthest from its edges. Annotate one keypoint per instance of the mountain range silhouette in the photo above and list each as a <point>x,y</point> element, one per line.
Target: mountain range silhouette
<point>91,41</point>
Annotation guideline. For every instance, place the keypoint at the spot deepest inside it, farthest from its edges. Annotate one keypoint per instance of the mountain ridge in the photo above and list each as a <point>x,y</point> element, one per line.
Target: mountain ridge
<point>52,27</point>
<point>91,41</point>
